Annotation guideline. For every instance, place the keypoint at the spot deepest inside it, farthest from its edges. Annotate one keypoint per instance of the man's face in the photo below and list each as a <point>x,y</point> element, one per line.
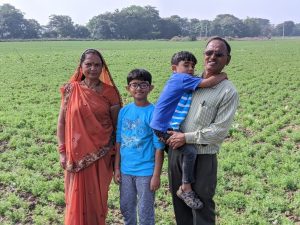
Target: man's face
<point>216,57</point>
<point>184,67</point>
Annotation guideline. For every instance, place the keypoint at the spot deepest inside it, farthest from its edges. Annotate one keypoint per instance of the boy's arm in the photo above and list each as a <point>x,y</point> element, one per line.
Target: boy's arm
<point>117,173</point>
<point>155,180</point>
<point>213,80</point>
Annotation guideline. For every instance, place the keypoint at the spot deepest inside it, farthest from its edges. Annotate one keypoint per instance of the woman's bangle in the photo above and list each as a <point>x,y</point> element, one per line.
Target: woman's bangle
<point>62,148</point>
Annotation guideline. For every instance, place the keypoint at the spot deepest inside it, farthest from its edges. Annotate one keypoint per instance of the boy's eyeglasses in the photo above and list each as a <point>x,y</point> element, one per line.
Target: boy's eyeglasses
<point>136,85</point>
<point>217,54</point>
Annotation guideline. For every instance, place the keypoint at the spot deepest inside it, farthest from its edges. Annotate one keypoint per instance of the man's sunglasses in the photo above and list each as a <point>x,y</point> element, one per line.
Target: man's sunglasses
<point>217,54</point>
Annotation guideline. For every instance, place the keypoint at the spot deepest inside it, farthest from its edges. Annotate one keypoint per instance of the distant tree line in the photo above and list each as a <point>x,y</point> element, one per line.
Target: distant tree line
<point>136,22</point>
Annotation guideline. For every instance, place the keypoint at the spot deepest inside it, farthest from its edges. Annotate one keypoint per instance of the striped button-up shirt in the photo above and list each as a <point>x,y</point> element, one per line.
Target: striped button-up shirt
<point>210,116</point>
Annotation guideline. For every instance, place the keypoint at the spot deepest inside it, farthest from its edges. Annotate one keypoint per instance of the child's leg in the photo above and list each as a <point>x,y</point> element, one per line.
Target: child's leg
<point>188,164</point>
<point>145,200</point>
<point>128,199</point>
<point>185,191</point>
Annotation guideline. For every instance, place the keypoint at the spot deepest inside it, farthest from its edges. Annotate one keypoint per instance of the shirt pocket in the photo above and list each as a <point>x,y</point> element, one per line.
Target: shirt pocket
<point>205,115</point>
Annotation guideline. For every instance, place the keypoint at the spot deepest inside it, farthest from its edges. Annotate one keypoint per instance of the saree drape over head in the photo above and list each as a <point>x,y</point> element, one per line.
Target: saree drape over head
<point>89,140</point>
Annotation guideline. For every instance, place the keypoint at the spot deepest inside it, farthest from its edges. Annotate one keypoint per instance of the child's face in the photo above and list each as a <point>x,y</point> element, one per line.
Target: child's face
<point>184,67</point>
<point>139,90</point>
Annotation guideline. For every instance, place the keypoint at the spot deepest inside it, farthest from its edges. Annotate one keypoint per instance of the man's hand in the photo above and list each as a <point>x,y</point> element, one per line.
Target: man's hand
<point>176,140</point>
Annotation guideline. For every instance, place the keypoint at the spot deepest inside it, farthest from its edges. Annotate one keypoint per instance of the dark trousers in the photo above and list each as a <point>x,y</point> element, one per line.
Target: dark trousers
<point>204,185</point>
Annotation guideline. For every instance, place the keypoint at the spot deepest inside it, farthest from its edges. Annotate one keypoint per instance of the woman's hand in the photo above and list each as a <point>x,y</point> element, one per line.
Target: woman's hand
<point>63,160</point>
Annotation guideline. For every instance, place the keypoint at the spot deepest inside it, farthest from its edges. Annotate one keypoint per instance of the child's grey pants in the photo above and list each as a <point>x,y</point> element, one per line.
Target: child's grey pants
<point>135,195</point>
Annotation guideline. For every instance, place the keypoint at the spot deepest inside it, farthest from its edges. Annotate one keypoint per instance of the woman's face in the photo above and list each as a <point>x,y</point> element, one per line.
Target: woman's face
<point>216,57</point>
<point>92,66</point>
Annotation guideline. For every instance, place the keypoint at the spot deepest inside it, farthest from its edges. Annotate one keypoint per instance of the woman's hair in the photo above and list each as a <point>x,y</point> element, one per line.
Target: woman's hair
<point>220,39</point>
<point>139,74</point>
<point>183,56</point>
<point>90,51</point>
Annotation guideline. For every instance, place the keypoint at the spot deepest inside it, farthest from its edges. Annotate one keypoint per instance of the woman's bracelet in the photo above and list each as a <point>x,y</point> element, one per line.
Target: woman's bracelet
<point>62,148</point>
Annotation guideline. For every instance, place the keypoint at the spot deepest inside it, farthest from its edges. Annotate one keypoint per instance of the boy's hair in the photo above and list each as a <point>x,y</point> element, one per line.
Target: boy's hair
<point>220,39</point>
<point>139,74</point>
<point>183,56</point>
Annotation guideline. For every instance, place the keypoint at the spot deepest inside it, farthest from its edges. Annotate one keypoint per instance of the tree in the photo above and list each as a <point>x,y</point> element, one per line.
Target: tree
<point>103,26</point>
<point>256,27</point>
<point>168,28</point>
<point>227,25</point>
<point>32,29</point>
<point>61,25</point>
<point>81,31</point>
<point>12,22</point>
<point>183,23</point>
<point>205,27</point>
<point>296,31</point>
<point>289,28</point>
<point>136,22</point>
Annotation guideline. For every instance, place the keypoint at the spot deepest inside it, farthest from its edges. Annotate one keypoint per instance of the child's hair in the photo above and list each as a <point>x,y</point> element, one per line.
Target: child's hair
<point>183,56</point>
<point>139,74</point>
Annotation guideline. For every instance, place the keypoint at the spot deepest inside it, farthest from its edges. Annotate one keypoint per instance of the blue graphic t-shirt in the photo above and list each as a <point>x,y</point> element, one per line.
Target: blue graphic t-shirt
<point>137,140</point>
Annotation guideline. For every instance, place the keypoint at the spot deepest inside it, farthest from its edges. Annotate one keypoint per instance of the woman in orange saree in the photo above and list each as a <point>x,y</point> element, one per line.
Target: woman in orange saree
<point>85,131</point>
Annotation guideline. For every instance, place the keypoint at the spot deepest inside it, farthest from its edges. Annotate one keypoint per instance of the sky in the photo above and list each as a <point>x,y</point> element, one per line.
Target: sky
<point>81,11</point>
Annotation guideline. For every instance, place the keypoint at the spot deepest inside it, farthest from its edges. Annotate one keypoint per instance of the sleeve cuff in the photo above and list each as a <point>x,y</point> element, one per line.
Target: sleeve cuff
<point>190,138</point>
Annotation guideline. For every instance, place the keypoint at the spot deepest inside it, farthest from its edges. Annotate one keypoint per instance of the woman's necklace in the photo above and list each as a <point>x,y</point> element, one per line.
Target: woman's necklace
<point>93,87</point>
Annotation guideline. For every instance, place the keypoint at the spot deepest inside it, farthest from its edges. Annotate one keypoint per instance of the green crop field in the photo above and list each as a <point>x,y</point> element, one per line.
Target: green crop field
<point>259,163</point>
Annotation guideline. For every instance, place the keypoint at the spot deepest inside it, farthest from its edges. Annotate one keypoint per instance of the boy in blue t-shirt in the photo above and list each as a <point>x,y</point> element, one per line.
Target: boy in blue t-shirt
<point>139,155</point>
<point>171,109</point>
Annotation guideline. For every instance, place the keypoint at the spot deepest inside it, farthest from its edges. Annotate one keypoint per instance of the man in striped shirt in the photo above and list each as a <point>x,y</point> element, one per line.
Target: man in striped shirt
<point>206,126</point>
<point>175,100</point>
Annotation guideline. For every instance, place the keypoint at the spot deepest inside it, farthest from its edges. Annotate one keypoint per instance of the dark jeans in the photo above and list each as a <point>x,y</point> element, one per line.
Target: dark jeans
<point>204,186</point>
<point>189,153</point>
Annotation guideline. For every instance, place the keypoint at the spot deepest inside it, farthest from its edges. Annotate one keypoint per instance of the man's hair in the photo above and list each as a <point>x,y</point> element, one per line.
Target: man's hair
<point>220,39</point>
<point>183,56</point>
<point>139,74</point>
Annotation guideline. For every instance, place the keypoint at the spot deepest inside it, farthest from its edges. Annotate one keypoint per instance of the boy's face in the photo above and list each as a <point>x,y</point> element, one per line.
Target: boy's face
<point>184,67</point>
<point>139,90</point>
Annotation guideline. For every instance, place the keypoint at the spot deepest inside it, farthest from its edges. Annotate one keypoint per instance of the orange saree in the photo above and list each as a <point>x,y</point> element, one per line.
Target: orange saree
<point>89,144</point>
